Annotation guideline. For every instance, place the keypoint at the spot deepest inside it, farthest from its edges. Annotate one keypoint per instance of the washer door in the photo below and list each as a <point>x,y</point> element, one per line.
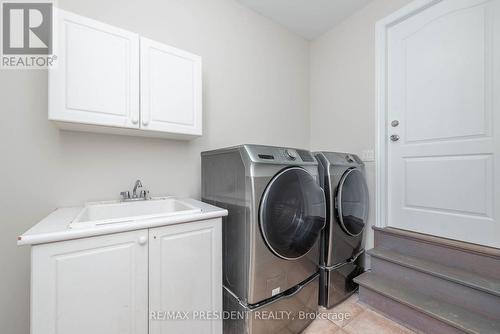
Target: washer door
<point>352,202</point>
<point>292,213</point>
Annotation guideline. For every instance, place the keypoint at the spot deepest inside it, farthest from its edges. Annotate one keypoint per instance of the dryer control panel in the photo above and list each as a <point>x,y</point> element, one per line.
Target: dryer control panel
<point>342,159</point>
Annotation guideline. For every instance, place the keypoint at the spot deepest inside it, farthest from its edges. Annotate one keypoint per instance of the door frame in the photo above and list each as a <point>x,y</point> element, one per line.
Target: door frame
<point>381,119</point>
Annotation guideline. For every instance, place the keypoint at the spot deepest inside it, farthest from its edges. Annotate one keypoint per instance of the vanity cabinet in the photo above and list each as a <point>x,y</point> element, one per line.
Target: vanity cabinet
<point>185,274</point>
<point>110,80</point>
<point>95,285</point>
<point>128,282</point>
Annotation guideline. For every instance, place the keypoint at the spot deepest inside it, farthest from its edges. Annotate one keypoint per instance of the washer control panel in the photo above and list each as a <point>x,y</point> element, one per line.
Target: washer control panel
<point>280,155</point>
<point>290,154</point>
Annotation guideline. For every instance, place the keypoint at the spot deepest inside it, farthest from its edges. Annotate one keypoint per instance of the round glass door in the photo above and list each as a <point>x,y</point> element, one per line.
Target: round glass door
<point>352,202</point>
<point>292,213</point>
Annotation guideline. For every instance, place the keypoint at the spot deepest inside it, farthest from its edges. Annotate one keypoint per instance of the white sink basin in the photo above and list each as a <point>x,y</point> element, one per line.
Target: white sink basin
<point>94,214</point>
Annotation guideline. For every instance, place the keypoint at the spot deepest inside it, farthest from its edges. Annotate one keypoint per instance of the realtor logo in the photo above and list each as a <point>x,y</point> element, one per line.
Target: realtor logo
<point>27,29</point>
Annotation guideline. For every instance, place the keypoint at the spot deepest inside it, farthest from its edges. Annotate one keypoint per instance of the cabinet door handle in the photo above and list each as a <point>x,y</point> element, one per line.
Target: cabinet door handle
<point>135,119</point>
<point>142,240</point>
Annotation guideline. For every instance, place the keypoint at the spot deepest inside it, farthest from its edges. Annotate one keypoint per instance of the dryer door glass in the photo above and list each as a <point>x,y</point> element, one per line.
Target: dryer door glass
<point>352,202</point>
<point>292,213</point>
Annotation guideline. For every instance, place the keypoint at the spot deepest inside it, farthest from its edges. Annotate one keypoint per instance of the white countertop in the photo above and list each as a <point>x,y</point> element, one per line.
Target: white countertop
<point>55,227</point>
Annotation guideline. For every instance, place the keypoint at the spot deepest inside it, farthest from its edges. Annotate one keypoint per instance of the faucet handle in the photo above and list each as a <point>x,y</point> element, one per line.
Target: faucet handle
<point>125,194</point>
<point>145,194</point>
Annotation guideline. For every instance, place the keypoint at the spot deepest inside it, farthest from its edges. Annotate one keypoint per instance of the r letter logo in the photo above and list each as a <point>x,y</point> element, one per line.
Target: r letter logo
<point>27,28</point>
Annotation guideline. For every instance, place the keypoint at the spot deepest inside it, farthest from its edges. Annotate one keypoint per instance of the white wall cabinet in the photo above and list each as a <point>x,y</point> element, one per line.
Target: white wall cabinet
<point>170,89</point>
<point>185,274</point>
<point>96,80</point>
<point>111,284</point>
<point>110,80</point>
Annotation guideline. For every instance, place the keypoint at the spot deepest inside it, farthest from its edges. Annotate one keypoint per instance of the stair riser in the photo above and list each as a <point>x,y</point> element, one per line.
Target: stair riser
<point>404,314</point>
<point>478,263</point>
<point>469,298</point>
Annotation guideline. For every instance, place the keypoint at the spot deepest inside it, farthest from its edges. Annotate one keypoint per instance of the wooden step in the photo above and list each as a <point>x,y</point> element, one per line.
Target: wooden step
<point>484,261</point>
<point>476,293</point>
<point>423,312</point>
<point>457,275</point>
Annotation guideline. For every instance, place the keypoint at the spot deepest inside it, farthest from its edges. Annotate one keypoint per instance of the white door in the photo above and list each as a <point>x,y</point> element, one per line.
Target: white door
<point>95,285</point>
<point>170,89</point>
<point>185,275</point>
<point>444,90</point>
<point>96,80</point>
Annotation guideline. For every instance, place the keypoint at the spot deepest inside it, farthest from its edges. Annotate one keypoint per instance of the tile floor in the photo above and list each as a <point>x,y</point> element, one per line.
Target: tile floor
<point>354,317</point>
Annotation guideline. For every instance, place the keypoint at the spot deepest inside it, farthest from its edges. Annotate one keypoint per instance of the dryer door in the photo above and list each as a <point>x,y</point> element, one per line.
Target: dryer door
<point>352,202</point>
<point>292,213</point>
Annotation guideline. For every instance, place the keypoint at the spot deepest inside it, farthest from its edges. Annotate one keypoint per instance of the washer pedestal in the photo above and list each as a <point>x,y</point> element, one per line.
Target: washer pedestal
<point>336,284</point>
<point>289,313</point>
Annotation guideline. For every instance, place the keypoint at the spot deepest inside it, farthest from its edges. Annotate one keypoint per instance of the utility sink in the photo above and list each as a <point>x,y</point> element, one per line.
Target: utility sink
<point>102,213</point>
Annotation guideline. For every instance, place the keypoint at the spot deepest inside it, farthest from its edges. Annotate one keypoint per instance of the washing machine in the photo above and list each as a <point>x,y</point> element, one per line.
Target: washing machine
<point>277,211</point>
<point>342,177</point>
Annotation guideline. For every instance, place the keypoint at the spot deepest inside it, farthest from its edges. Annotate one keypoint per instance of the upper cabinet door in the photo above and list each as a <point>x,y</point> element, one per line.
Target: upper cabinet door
<point>96,80</point>
<point>170,89</point>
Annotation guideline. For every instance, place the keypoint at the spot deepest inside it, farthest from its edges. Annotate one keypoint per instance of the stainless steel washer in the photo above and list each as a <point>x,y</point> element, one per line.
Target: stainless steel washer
<point>271,235</point>
<point>342,176</point>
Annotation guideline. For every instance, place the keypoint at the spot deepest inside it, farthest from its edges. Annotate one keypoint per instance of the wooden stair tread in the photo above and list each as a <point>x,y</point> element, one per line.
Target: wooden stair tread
<point>457,275</point>
<point>452,315</point>
<point>441,242</point>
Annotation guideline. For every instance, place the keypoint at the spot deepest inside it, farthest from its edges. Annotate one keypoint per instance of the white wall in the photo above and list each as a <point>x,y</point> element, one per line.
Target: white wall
<point>343,87</point>
<point>255,91</point>
<point>259,83</point>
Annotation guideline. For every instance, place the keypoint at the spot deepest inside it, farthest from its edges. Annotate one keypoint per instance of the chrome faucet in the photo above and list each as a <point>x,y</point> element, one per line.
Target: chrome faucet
<point>143,195</point>
<point>138,184</point>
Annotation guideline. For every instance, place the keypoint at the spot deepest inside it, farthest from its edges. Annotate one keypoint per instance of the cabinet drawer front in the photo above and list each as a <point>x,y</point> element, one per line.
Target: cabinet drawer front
<point>92,285</point>
<point>96,80</point>
<point>186,276</point>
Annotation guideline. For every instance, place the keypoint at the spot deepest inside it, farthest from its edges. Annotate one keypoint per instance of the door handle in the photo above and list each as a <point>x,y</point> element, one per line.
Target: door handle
<point>394,137</point>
